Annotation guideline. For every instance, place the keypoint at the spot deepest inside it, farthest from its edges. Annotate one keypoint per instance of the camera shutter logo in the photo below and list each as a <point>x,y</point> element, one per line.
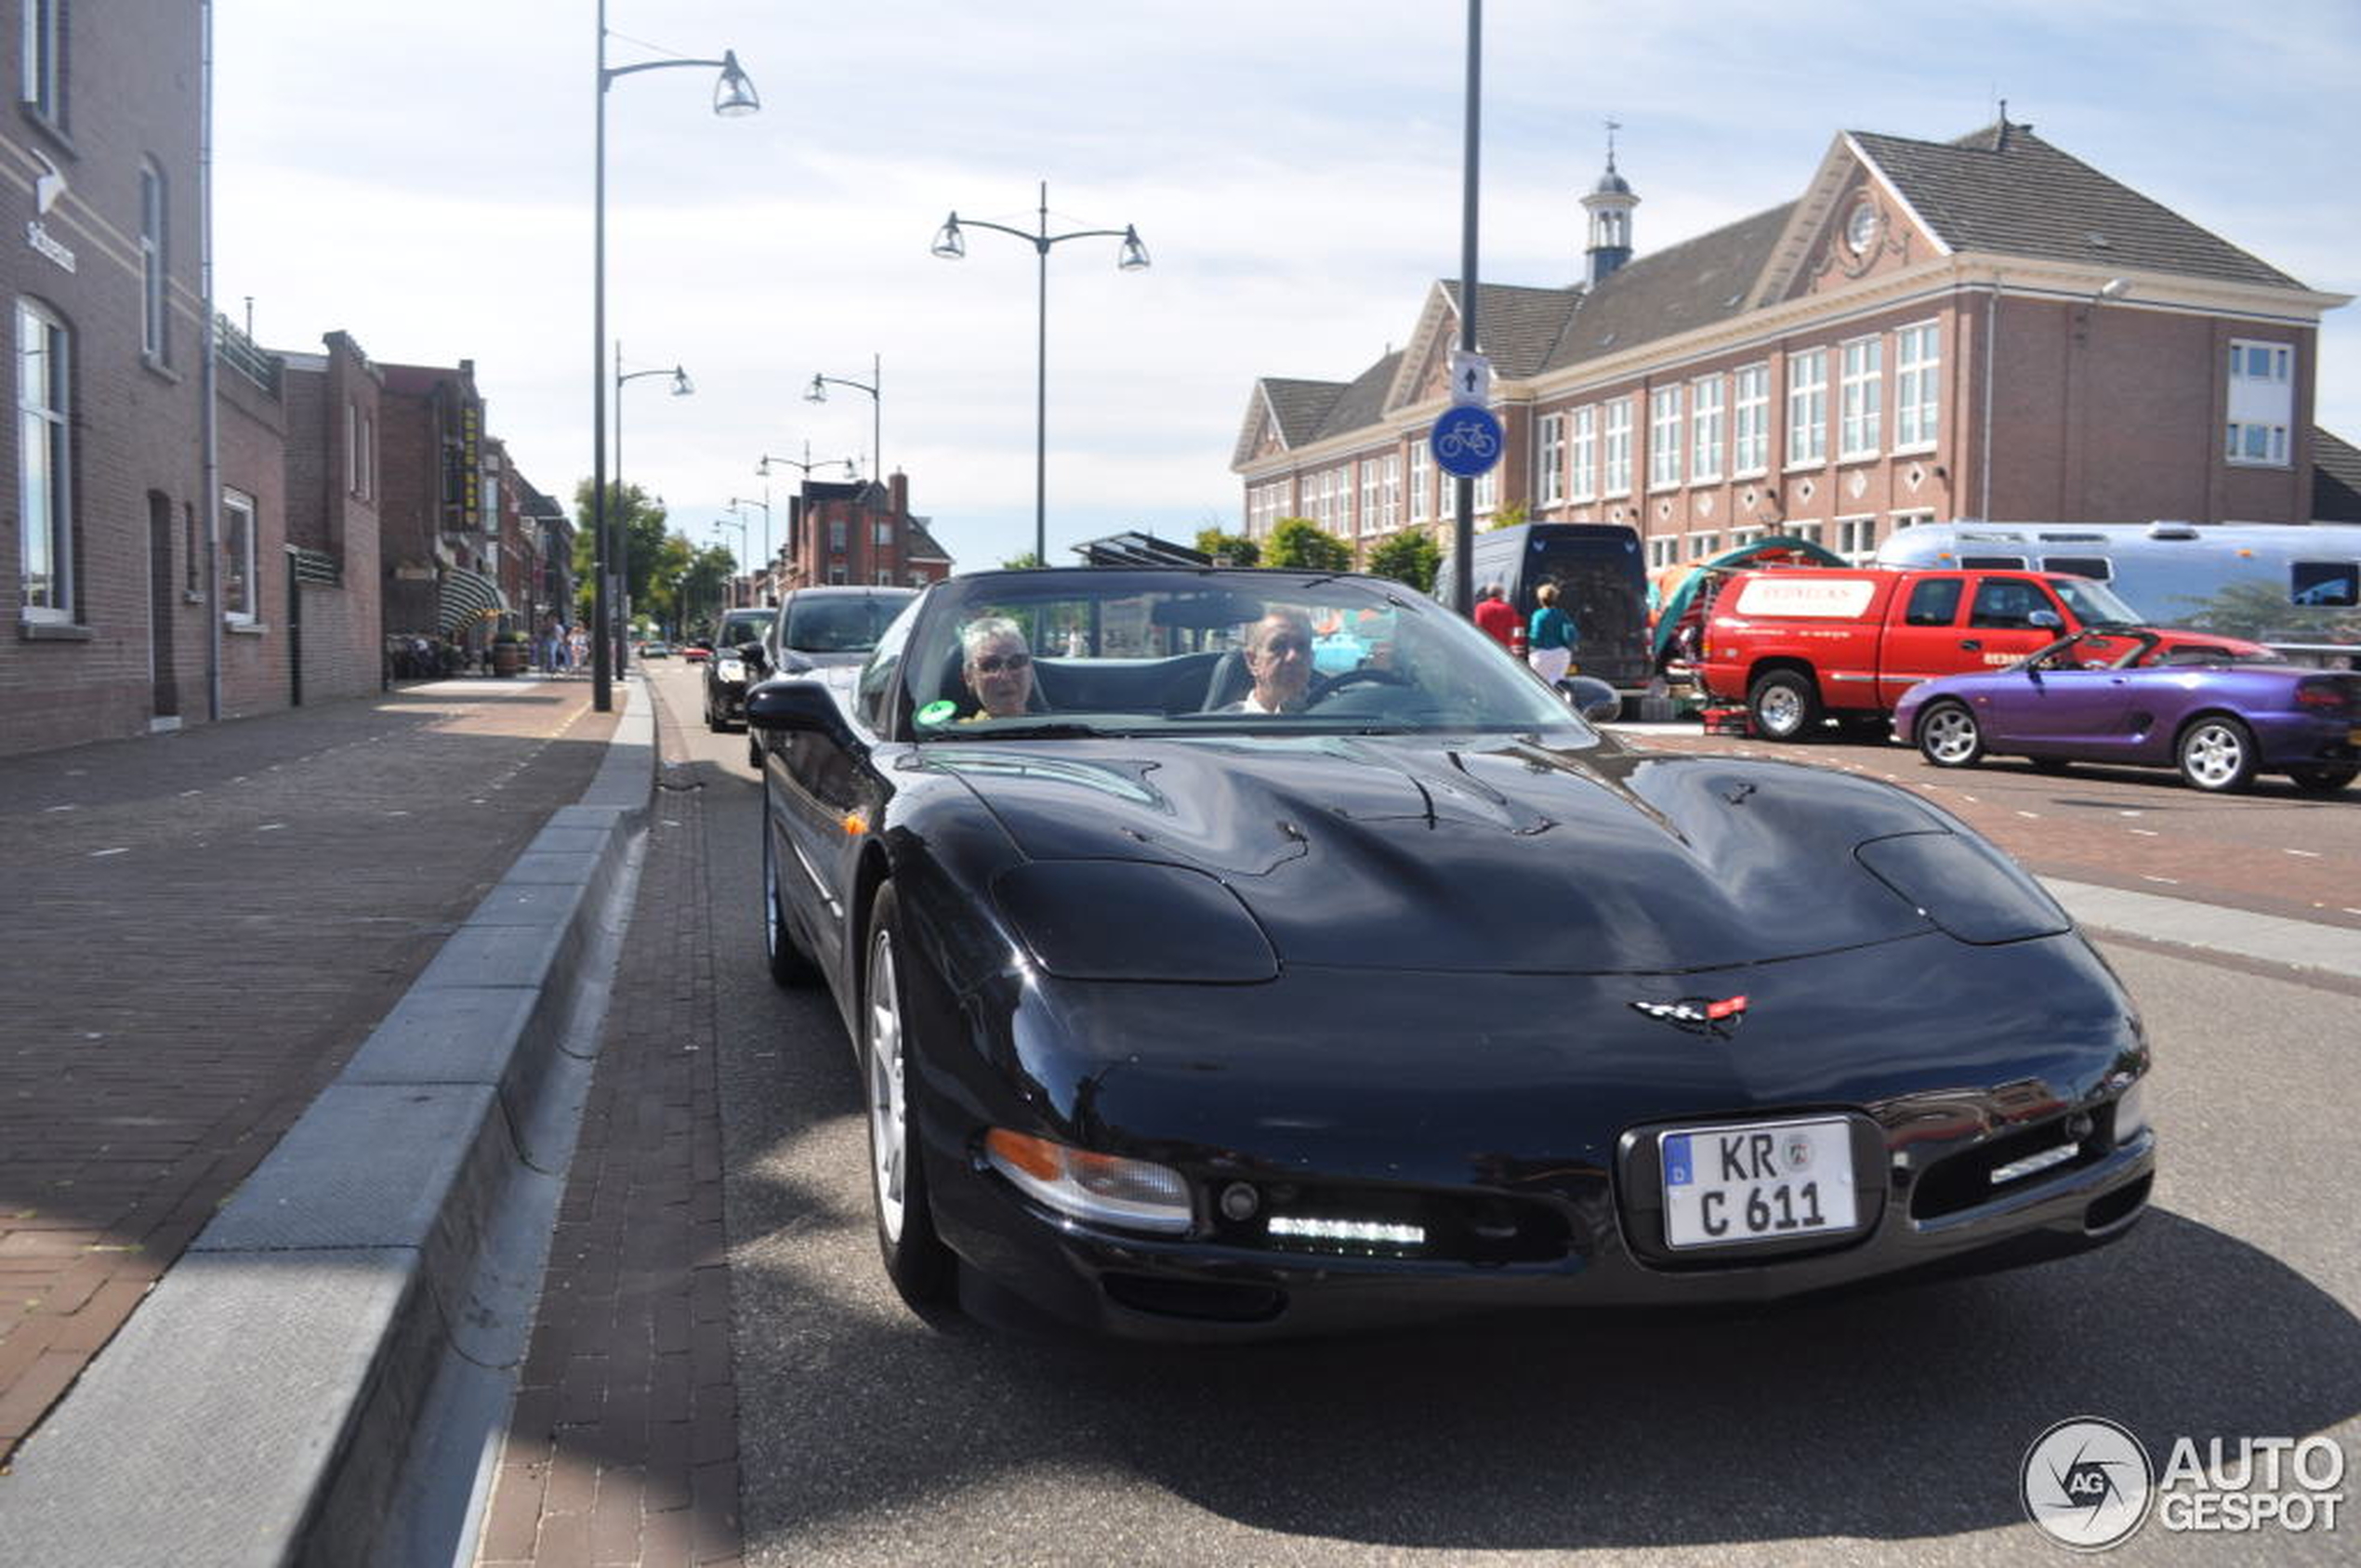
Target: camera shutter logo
<point>2087,1482</point>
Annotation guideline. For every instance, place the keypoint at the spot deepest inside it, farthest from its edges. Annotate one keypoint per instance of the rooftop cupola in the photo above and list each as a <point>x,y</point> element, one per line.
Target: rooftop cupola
<point>1610,204</point>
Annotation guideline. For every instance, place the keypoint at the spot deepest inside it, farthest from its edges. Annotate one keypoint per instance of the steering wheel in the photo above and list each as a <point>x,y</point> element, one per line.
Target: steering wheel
<point>1329,685</point>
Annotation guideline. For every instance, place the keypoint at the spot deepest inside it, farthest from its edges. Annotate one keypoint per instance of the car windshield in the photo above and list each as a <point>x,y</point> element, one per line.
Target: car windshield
<point>744,627</point>
<point>839,623</point>
<point>2093,604</point>
<point>1077,651</point>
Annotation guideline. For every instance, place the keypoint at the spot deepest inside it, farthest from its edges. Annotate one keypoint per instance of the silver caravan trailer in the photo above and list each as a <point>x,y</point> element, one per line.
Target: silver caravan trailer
<point>2296,587</point>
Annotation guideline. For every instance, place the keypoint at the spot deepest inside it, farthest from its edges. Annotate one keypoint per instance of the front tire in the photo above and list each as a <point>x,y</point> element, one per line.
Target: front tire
<point>1784,706</point>
<point>2324,779</point>
<point>1949,736</point>
<point>916,1259</point>
<point>2216,755</point>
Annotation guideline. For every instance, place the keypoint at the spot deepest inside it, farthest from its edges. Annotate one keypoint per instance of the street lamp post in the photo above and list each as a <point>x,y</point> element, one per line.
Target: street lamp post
<point>681,388</point>
<point>950,244</point>
<point>818,392</point>
<point>730,592</point>
<point>765,503</point>
<point>733,95</point>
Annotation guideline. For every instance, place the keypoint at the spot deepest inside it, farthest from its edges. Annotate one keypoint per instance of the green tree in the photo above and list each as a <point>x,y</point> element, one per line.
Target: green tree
<point>1508,516</point>
<point>1409,557</point>
<point>1025,562</point>
<point>1300,544</point>
<point>639,522</point>
<point>1240,550</point>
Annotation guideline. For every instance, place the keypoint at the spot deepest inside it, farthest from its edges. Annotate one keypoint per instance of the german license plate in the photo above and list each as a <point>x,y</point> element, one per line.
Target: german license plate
<point>1761,1181</point>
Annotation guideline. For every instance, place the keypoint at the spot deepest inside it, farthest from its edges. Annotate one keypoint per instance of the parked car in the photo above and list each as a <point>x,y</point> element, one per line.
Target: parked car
<point>1419,994</point>
<point>2219,718</point>
<point>656,649</point>
<point>725,676</point>
<point>696,652</point>
<point>1799,645</point>
<point>824,628</point>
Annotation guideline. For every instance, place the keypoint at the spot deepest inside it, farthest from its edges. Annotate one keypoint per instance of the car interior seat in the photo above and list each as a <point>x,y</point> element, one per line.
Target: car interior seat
<point>1229,682</point>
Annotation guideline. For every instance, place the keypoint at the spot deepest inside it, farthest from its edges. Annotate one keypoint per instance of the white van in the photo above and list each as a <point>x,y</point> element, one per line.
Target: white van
<point>2296,587</point>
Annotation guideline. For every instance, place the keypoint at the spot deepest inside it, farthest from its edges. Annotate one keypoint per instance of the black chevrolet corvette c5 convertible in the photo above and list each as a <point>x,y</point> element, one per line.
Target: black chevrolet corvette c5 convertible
<point>1231,953</point>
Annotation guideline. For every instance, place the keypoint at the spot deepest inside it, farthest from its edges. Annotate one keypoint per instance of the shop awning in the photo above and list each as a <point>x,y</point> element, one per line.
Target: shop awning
<point>467,596</point>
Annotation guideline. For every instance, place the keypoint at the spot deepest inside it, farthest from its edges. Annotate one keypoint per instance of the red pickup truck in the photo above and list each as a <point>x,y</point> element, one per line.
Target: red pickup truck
<point>1800,645</point>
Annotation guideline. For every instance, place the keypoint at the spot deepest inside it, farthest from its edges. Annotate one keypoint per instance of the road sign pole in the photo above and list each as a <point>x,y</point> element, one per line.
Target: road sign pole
<point>1463,529</point>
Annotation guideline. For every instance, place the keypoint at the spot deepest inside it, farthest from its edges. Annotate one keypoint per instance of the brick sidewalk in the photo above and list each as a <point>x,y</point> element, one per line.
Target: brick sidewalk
<point>623,1445</point>
<point>200,929</point>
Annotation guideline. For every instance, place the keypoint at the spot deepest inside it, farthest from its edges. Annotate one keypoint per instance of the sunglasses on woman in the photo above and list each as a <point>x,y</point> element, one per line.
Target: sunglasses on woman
<point>993,663</point>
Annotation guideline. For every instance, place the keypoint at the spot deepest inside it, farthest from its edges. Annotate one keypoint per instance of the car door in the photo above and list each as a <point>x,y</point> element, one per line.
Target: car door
<point>824,791</point>
<point>2062,711</point>
<point>1922,638</point>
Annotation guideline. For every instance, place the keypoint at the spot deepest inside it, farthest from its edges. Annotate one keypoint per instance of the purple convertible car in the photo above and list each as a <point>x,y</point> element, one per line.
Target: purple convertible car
<point>2220,719</point>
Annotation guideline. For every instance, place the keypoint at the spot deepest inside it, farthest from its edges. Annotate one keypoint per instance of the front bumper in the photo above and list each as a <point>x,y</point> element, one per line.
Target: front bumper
<point>1513,1118</point>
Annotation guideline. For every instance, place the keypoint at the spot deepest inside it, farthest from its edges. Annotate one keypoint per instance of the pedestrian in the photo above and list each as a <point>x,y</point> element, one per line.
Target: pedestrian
<point>1551,638</point>
<point>1496,615</point>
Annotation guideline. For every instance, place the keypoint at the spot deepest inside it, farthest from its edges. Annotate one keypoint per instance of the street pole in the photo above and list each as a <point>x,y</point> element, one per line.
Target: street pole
<point>1463,529</point>
<point>602,606</point>
<point>1041,391</point>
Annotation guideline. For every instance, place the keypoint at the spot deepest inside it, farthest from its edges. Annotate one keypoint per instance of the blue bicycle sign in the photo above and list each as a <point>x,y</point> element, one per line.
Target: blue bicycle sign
<point>1466,441</point>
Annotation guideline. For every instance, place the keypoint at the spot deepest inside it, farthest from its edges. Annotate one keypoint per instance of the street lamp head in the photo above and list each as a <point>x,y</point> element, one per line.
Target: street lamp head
<point>949,243</point>
<point>1134,256</point>
<point>681,385</point>
<point>735,94</point>
<point>817,391</point>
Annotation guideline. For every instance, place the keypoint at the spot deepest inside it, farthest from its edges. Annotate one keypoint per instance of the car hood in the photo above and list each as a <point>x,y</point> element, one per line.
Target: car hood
<point>1474,855</point>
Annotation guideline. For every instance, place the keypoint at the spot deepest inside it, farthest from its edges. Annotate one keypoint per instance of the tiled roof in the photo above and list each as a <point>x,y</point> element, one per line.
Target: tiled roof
<point>921,544</point>
<point>2336,479</point>
<point>1515,327</point>
<point>1361,402</point>
<point>1675,290</point>
<point>2017,195</point>
<point>1301,406</point>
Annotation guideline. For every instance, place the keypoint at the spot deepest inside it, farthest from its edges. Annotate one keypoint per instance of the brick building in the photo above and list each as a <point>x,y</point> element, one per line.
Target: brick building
<point>1986,328</point>
<point>439,517</point>
<point>858,532</point>
<point>334,644</point>
<point>105,526</point>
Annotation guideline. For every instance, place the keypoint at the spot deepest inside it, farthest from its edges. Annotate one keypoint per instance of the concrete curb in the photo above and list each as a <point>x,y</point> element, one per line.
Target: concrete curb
<point>310,1382</point>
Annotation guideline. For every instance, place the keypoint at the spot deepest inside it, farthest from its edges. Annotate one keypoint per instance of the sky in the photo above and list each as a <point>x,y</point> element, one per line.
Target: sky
<point>419,173</point>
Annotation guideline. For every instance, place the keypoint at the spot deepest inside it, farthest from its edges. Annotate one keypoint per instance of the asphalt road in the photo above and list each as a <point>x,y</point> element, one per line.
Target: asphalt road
<point>1883,1428</point>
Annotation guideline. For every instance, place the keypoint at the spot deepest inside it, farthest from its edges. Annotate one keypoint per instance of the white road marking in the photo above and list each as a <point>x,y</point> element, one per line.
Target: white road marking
<point>2173,881</point>
<point>97,854</point>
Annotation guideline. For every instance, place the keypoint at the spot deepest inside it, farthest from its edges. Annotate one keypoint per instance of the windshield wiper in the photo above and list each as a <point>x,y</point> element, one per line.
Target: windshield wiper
<point>1048,730</point>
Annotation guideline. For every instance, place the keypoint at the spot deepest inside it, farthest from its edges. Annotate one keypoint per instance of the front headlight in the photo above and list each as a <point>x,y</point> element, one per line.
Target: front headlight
<point>1104,1189</point>
<point>1965,886</point>
<point>2131,1112</point>
<point>730,669</point>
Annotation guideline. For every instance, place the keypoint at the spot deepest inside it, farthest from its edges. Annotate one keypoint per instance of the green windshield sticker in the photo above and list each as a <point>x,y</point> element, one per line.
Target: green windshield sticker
<point>938,712</point>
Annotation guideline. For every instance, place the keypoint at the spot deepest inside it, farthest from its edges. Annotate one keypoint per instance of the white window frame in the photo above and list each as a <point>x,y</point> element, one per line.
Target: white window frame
<point>1801,531</point>
<point>1808,409</point>
<point>2260,402</point>
<point>1487,491</point>
<point>1917,387</point>
<point>1390,494</point>
<point>1706,399</point>
<point>1583,454</point>
<point>241,590</point>
<point>1701,545</point>
<point>1421,480</point>
<point>41,87</point>
<point>1549,459</point>
<point>884,577</point>
<point>1750,421</point>
<point>156,260</point>
<point>44,490</point>
<point>1860,425</point>
<point>1664,438</point>
<point>1372,494</point>
<point>1857,538</point>
<point>1615,477</point>
<point>882,534</point>
<point>1663,550</point>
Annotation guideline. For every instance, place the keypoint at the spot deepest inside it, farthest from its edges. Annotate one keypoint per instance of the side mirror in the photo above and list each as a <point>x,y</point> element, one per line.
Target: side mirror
<point>793,706</point>
<point>1590,697</point>
<point>2046,618</point>
<point>751,653</point>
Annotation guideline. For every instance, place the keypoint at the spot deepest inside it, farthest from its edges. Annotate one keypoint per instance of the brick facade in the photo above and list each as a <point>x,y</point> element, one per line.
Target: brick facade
<point>857,533</point>
<point>131,644</point>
